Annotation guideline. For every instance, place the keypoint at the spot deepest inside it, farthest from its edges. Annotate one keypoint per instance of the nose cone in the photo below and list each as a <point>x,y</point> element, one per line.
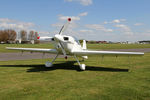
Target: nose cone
<point>58,37</point>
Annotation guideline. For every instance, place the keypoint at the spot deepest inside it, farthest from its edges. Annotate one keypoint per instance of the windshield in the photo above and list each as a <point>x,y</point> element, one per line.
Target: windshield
<point>76,40</point>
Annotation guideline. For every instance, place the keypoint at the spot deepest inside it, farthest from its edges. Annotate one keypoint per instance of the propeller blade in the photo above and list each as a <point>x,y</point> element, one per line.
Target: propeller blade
<point>61,30</point>
<point>64,27</point>
<point>63,50</point>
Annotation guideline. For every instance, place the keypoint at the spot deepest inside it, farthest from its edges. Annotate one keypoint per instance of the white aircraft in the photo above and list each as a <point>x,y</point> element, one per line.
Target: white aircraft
<point>68,45</point>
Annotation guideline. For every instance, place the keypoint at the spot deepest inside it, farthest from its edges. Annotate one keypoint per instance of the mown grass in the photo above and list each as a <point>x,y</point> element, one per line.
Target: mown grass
<point>109,78</point>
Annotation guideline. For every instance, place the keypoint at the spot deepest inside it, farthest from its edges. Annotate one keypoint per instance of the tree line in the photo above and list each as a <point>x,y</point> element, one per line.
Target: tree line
<point>10,35</point>
<point>7,35</point>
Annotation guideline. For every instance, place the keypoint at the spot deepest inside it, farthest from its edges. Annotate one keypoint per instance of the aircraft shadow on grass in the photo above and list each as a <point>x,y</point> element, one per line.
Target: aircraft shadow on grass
<point>69,65</point>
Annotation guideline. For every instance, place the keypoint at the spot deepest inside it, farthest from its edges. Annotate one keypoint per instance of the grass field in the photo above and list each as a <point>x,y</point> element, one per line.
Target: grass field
<point>104,79</point>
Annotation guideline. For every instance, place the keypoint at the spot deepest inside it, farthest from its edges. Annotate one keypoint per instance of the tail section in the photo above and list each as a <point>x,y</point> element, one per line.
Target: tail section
<point>84,45</point>
<point>84,48</point>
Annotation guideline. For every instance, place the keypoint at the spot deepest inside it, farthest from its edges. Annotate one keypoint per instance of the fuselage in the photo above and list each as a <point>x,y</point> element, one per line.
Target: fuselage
<point>68,43</point>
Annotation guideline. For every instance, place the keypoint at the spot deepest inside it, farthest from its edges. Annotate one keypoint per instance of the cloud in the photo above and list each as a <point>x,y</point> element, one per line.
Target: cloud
<point>42,33</point>
<point>148,31</point>
<point>86,31</point>
<point>115,21</point>
<point>138,24</point>
<point>14,24</point>
<point>6,20</point>
<point>85,2</point>
<point>98,27</point>
<point>125,29</point>
<point>83,14</point>
<point>122,26</point>
<point>82,2</point>
<point>57,25</point>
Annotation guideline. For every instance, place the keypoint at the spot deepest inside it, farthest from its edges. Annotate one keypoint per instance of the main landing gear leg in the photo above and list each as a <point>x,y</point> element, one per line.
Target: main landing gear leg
<point>50,64</point>
<point>82,66</point>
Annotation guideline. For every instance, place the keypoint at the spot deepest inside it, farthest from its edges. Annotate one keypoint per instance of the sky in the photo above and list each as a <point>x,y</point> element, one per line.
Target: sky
<point>109,20</point>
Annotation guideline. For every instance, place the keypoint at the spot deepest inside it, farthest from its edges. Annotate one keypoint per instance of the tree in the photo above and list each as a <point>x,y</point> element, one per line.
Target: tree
<point>35,38</point>
<point>7,35</point>
<point>4,36</point>
<point>1,37</point>
<point>31,35</point>
<point>23,35</point>
<point>36,35</point>
<point>11,34</point>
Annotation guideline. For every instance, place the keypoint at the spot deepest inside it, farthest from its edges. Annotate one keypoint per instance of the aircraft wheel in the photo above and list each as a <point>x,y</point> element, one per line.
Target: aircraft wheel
<point>82,67</point>
<point>48,64</point>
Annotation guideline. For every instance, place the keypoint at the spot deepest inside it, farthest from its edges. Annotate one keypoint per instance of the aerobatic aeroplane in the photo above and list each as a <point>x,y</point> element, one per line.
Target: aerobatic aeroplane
<point>69,46</point>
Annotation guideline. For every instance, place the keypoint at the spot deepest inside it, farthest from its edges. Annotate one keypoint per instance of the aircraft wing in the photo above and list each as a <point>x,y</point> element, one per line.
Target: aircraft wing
<point>34,49</point>
<point>109,53</point>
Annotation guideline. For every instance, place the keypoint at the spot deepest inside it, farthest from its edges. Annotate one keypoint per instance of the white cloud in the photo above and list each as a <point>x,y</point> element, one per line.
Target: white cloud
<point>98,27</point>
<point>122,26</point>
<point>115,21</point>
<point>148,31</point>
<point>6,20</point>
<point>14,24</point>
<point>105,22</point>
<point>44,33</point>
<point>82,2</point>
<point>125,29</point>
<point>83,14</point>
<point>138,24</point>
<point>86,31</point>
<point>85,2</point>
<point>57,25</point>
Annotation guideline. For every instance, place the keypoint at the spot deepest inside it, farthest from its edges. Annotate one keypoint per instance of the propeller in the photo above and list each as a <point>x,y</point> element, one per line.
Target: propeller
<point>58,37</point>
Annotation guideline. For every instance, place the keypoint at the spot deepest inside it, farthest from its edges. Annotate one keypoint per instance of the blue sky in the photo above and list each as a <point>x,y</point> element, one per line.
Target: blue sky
<point>111,20</point>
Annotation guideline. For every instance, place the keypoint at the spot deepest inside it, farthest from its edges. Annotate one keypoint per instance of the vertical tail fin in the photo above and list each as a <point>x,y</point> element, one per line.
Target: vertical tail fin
<point>84,45</point>
<point>84,48</point>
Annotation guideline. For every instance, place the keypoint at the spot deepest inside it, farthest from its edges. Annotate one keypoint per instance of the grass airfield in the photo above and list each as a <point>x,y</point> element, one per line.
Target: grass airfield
<point>109,78</point>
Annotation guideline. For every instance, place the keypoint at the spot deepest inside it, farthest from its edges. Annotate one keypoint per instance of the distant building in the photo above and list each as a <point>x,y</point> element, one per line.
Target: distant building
<point>144,42</point>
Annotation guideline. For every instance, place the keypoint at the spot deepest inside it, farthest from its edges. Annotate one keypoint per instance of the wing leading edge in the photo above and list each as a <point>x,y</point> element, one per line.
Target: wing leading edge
<point>109,53</point>
<point>34,49</point>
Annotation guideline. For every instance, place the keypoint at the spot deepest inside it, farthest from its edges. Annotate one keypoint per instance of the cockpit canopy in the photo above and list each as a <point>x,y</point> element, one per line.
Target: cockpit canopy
<point>71,39</point>
<point>66,38</point>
